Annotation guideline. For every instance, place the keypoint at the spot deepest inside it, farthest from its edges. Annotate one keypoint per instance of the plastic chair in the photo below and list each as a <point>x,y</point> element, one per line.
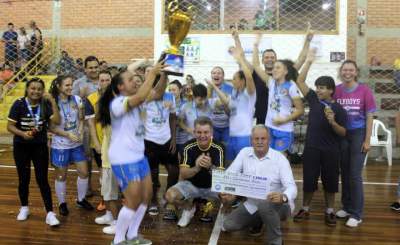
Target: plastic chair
<point>381,143</point>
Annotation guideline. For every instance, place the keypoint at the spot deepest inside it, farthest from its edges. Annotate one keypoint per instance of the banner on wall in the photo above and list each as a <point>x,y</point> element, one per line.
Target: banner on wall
<point>190,48</point>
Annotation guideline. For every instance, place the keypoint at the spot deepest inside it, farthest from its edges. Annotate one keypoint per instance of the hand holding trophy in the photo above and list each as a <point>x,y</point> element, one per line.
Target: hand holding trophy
<point>179,23</point>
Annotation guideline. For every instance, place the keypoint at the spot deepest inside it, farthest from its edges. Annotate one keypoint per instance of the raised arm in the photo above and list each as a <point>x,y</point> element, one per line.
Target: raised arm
<point>145,89</point>
<point>256,60</point>
<point>159,90</point>
<point>238,53</point>
<point>135,65</point>
<point>222,97</point>
<point>303,54</point>
<point>301,80</point>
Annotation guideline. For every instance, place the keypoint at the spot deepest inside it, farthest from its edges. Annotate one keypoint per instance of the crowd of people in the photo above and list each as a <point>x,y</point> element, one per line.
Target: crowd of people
<point>133,119</point>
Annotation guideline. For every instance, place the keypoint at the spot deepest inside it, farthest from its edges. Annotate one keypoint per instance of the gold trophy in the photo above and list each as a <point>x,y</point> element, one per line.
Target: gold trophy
<point>179,23</point>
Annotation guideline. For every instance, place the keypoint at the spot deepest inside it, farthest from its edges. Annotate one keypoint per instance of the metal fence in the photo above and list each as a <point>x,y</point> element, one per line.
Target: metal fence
<point>268,15</point>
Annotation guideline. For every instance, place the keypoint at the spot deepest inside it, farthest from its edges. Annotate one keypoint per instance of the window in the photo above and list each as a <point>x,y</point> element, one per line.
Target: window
<point>217,16</point>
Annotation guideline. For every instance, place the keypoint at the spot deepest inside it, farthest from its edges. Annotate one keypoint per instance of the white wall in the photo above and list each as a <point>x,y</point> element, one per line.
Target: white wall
<point>213,48</point>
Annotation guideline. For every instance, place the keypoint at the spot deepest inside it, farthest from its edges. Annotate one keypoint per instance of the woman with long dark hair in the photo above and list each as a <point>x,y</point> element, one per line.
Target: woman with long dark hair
<point>358,101</point>
<point>66,145</point>
<point>120,107</point>
<point>28,120</point>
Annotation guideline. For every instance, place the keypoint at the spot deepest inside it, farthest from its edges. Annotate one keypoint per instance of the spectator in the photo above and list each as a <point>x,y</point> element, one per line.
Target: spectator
<point>262,160</point>
<point>10,38</point>
<point>36,46</point>
<point>78,70</point>
<point>87,84</point>
<point>66,63</point>
<point>190,80</point>
<point>103,65</point>
<point>23,45</point>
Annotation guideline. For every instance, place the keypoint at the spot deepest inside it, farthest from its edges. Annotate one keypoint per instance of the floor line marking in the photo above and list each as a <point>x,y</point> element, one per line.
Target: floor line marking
<point>165,175</point>
<point>217,228</point>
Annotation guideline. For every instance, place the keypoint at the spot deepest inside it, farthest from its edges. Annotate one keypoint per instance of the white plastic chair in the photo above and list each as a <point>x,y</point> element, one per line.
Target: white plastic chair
<point>381,143</point>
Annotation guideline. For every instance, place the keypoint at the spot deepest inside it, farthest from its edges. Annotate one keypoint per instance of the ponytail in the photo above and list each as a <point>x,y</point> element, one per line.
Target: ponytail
<point>55,84</point>
<point>104,116</point>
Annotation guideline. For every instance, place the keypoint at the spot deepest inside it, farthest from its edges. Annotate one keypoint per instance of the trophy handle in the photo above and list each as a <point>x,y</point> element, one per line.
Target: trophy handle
<point>191,11</point>
<point>173,6</point>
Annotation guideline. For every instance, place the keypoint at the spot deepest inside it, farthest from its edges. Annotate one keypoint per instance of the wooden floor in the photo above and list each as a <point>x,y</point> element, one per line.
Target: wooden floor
<point>381,226</point>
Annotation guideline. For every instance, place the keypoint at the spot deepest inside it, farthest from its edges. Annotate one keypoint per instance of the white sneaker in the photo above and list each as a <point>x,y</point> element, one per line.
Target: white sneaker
<point>23,213</point>
<point>106,219</point>
<point>342,214</point>
<point>187,215</point>
<point>51,219</point>
<point>352,222</point>
<point>110,230</point>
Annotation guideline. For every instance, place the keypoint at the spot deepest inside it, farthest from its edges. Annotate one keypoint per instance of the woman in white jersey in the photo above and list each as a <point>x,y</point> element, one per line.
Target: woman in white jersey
<point>240,106</point>
<point>284,100</point>
<point>66,144</point>
<point>120,107</point>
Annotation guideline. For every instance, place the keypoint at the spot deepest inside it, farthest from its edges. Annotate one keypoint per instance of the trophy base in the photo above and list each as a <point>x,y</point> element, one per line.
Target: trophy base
<point>175,64</point>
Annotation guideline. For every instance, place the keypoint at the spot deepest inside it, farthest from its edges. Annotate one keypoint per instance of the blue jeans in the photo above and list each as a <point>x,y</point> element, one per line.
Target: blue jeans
<point>351,166</point>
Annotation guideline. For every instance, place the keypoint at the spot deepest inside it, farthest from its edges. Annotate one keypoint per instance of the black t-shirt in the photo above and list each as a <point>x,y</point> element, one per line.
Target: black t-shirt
<point>261,98</point>
<point>320,133</point>
<point>191,152</point>
<point>19,113</point>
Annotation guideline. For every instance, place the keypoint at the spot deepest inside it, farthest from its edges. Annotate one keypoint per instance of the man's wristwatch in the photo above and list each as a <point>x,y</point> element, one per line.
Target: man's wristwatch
<point>284,198</point>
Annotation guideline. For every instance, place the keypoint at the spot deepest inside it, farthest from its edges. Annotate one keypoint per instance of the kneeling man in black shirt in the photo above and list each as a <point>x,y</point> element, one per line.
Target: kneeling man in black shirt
<point>199,156</point>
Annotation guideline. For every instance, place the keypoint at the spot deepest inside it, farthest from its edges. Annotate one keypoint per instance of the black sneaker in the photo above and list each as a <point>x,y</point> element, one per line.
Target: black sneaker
<point>301,215</point>
<point>235,203</point>
<point>85,205</point>
<point>63,209</point>
<point>330,219</point>
<point>395,206</point>
<point>256,231</point>
<point>170,214</point>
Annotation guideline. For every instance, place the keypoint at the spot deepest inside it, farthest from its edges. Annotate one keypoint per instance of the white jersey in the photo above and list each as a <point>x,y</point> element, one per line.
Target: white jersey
<point>280,104</point>
<point>156,122</point>
<point>69,112</point>
<point>127,133</point>
<point>241,106</point>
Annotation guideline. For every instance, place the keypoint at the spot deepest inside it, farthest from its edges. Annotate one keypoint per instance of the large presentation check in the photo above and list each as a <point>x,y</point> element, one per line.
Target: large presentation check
<point>240,184</point>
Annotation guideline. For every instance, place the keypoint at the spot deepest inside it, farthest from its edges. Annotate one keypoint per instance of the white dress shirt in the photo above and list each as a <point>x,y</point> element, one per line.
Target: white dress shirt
<point>274,166</point>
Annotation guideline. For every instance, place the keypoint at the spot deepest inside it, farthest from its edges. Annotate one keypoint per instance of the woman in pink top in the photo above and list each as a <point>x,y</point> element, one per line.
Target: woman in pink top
<point>358,101</point>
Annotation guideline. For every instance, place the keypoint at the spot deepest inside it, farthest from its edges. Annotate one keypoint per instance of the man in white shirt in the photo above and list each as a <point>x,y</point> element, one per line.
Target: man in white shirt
<point>261,160</point>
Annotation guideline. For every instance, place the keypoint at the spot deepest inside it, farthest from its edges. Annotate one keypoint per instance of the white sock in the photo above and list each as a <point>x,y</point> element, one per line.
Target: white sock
<point>61,189</point>
<point>108,213</point>
<point>82,186</point>
<point>125,217</point>
<point>329,210</point>
<point>134,226</point>
<point>306,208</point>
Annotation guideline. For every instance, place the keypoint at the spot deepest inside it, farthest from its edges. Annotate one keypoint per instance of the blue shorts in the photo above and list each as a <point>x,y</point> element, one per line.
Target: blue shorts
<point>280,140</point>
<point>126,173</point>
<point>235,144</point>
<point>61,158</point>
<point>221,134</point>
